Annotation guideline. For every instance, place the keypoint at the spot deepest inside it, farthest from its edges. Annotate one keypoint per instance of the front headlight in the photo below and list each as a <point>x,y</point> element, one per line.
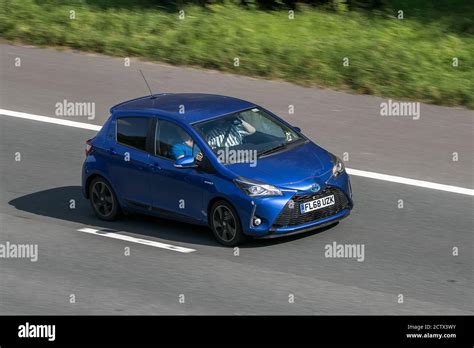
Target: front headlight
<point>338,165</point>
<point>256,189</point>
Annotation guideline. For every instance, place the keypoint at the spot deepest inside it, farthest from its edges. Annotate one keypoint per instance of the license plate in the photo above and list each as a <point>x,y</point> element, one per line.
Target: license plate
<point>317,204</point>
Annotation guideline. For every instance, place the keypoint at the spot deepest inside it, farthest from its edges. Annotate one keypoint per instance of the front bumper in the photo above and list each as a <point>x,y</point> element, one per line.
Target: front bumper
<point>281,216</point>
<point>289,231</point>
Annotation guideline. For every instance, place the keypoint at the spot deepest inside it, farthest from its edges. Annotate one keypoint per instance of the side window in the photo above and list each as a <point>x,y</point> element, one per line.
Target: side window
<point>132,131</point>
<point>173,142</point>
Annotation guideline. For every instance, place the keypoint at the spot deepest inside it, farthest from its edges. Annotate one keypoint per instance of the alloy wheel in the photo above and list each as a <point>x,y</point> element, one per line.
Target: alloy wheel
<point>102,198</point>
<point>224,223</point>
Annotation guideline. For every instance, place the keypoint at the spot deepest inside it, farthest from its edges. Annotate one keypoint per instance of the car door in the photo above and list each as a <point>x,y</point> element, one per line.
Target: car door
<point>176,191</point>
<point>129,160</point>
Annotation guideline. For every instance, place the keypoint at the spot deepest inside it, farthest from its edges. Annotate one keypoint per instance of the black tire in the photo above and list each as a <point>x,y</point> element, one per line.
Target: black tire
<point>103,199</point>
<point>225,224</point>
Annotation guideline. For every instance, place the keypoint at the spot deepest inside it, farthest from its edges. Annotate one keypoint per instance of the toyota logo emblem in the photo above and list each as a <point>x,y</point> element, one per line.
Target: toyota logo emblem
<point>315,188</point>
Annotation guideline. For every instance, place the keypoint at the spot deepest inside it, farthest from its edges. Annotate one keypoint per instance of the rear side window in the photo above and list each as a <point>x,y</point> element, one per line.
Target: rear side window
<point>132,131</point>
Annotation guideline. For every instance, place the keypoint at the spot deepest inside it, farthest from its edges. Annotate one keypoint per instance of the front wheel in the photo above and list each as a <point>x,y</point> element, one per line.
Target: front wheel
<point>225,224</point>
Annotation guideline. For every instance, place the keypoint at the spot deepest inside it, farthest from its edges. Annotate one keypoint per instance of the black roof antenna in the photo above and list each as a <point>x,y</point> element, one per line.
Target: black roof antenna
<point>151,93</point>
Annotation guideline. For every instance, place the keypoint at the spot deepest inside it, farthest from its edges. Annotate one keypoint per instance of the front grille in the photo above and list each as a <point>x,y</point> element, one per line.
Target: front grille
<point>293,216</point>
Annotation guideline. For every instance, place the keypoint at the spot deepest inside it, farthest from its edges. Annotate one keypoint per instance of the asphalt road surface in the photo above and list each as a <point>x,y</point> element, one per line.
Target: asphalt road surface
<point>408,251</point>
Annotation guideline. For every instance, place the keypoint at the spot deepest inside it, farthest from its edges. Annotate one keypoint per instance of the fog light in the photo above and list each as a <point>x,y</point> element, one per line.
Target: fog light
<point>257,221</point>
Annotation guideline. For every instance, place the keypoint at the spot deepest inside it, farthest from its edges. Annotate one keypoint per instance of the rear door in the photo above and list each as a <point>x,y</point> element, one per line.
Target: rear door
<point>129,160</point>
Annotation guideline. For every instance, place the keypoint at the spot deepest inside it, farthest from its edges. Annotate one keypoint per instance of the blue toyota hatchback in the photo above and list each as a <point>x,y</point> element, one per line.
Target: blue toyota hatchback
<point>213,160</point>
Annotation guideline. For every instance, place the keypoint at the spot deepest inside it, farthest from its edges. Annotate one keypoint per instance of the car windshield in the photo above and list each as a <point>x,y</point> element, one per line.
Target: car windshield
<point>251,132</point>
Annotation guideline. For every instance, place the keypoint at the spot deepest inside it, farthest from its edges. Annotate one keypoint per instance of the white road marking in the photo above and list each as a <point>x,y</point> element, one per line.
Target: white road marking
<point>50,120</point>
<point>135,240</point>
<point>355,172</point>
<point>412,182</point>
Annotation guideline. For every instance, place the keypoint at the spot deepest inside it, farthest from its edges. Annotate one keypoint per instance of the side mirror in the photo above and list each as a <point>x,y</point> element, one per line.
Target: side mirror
<point>185,162</point>
<point>298,129</point>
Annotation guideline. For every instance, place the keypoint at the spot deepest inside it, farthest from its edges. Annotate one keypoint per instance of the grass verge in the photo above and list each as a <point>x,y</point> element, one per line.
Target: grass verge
<point>407,59</point>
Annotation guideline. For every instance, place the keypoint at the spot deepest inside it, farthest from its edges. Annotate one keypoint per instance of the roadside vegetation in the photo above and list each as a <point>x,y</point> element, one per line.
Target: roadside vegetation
<point>361,46</point>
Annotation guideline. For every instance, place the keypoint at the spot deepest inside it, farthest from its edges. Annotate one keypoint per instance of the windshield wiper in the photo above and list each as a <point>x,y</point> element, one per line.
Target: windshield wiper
<point>281,147</point>
<point>274,149</point>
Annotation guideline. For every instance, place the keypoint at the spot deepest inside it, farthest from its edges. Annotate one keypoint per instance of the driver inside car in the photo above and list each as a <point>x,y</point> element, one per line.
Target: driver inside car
<point>227,133</point>
<point>185,148</point>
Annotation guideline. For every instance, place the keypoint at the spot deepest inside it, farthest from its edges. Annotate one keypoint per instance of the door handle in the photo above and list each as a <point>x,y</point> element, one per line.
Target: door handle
<point>154,166</point>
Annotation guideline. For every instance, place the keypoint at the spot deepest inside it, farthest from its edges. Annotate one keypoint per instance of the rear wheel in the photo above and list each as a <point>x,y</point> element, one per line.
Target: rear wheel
<point>225,224</point>
<point>103,199</point>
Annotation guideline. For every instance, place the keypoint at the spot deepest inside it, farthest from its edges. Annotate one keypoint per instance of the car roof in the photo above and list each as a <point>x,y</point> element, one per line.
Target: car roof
<point>197,106</point>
